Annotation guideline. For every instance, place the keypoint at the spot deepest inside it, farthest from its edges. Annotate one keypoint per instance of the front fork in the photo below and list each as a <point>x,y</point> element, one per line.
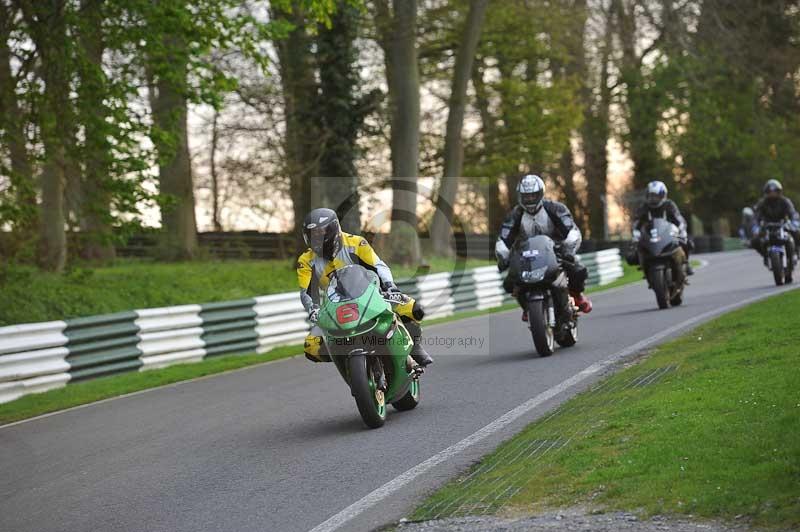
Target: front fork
<point>374,364</point>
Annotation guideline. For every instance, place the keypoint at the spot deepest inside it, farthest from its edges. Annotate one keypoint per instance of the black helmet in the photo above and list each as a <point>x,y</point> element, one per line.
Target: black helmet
<point>530,193</point>
<point>322,233</point>
<point>656,194</point>
<point>773,187</point>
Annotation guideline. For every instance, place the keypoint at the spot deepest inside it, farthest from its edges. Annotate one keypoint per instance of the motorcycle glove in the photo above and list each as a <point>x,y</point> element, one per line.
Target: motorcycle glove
<point>313,314</point>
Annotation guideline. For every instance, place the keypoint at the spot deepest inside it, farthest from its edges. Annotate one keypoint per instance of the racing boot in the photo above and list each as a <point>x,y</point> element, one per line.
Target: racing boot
<point>525,316</point>
<point>418,352</point>
<point>582,302</point>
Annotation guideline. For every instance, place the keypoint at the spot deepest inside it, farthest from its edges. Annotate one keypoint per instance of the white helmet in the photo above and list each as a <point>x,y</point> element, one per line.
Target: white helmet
<point>748,212</point>
<point>530,193</point>
<point>656,194</point>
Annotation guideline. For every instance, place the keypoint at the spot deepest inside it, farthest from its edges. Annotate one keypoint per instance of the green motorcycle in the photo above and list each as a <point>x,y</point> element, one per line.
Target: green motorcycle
<point>368,344</point>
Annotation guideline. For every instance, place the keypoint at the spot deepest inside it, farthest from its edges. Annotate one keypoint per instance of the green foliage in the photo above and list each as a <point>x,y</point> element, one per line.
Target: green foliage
<point>733,107</point>
<point>531,112</point>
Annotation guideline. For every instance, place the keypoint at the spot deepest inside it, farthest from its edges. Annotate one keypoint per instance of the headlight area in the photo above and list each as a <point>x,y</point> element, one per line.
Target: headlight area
<point>364,328</point>
<point>370,335</point>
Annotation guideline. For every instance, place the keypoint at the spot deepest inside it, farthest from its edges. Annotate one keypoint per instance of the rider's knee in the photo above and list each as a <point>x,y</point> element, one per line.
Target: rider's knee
<point>411,309</point>
<point>417,311</point>
<point>312,347</point>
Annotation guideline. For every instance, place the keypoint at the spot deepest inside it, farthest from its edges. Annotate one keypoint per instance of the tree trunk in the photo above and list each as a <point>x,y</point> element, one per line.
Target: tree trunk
<point>642,102</point>
<point>170,112</point>
<point>12,127</point>
<point>495,212</point>
<point>595,135</point>
<point>300,101</point>
<point>566,169</point>
<point>402,76</point>
<point>47,23</point>
<point>340,115</point>
<point>215,208</point>
<point>453,147</point>
<point>95,201</point>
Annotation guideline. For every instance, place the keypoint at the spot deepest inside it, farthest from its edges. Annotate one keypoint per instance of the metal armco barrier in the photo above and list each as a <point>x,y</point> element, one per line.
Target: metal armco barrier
<point>37,357</point>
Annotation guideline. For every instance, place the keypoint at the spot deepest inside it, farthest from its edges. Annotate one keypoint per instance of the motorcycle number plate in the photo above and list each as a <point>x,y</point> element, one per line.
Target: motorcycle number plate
<point>347,313</point>
<point>530,253</point>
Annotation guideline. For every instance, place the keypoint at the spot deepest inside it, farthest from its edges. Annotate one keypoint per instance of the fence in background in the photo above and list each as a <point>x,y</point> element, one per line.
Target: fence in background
<point>38,357</point>
<point>261,246</point>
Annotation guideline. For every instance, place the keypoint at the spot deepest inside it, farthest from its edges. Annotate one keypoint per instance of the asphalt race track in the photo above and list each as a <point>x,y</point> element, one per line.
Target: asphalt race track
<point>281,447</point>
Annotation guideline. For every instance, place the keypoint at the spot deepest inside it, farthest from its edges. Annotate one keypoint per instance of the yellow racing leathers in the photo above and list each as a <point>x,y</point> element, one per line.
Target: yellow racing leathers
<point>313,274</point>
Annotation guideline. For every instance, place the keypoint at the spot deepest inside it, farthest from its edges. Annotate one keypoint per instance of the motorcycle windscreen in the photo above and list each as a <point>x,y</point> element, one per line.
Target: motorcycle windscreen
<point>349,283</point>
<point>535,260</point>
<point>659,237</point>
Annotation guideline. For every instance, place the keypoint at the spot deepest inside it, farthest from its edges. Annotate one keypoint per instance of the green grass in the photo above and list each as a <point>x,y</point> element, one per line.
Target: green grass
<point>716,436</point>
<point>28,295</point>
<point>95,390</point>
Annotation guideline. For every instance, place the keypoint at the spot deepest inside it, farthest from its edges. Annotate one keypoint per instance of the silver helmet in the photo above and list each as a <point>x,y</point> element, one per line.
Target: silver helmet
<point>656,194</point>
<point>530,193</point>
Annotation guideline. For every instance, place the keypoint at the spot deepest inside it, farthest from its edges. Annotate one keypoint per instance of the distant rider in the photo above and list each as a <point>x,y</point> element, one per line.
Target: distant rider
<point>746,229</point>
<point>329,248</point>
<point>658,205</point>
<point>533,215</point>
<point>774,207</point>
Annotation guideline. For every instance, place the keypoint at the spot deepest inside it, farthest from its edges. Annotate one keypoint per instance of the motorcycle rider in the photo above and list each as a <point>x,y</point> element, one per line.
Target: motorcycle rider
<point>658,205</point>
<point>774,207</point>
<point>746,228</point>
<point>533,215</point>
<point>330,248</point>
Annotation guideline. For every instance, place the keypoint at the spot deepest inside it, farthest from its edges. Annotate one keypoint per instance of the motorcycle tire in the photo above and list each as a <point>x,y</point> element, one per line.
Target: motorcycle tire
<point>542,333</point>
<point>658,280</point>
<point>410,400</point>
<point>372,411</point>
<point>776,262</point>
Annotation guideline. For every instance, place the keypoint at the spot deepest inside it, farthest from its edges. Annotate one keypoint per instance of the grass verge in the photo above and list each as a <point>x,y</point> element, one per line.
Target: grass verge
<point>29,295</point>
<point>708,425</point>
<point>79,393</point>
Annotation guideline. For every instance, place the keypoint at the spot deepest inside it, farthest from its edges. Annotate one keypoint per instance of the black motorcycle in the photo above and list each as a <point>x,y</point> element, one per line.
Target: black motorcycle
<point>663,261</point>
<point>780,258</point>
<point>540,286</point>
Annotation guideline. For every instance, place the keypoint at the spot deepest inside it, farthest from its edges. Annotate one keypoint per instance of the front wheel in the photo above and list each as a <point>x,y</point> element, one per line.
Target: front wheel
<point>370,401</point>
<point>410,400</point>
<point>658,280</point>
<point>776,261</point>
<point>540,328</point>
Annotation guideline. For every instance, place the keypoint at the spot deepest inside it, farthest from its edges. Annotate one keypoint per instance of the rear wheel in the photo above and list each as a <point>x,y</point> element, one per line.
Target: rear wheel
<point>658,280</point>
<point>776,261</point>
<point>540,328</point>
<point>411,399</point>
<point>370,401</point>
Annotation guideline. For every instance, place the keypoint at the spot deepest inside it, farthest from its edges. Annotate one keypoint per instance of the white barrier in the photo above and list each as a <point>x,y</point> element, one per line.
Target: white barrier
<point>41,356</point>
